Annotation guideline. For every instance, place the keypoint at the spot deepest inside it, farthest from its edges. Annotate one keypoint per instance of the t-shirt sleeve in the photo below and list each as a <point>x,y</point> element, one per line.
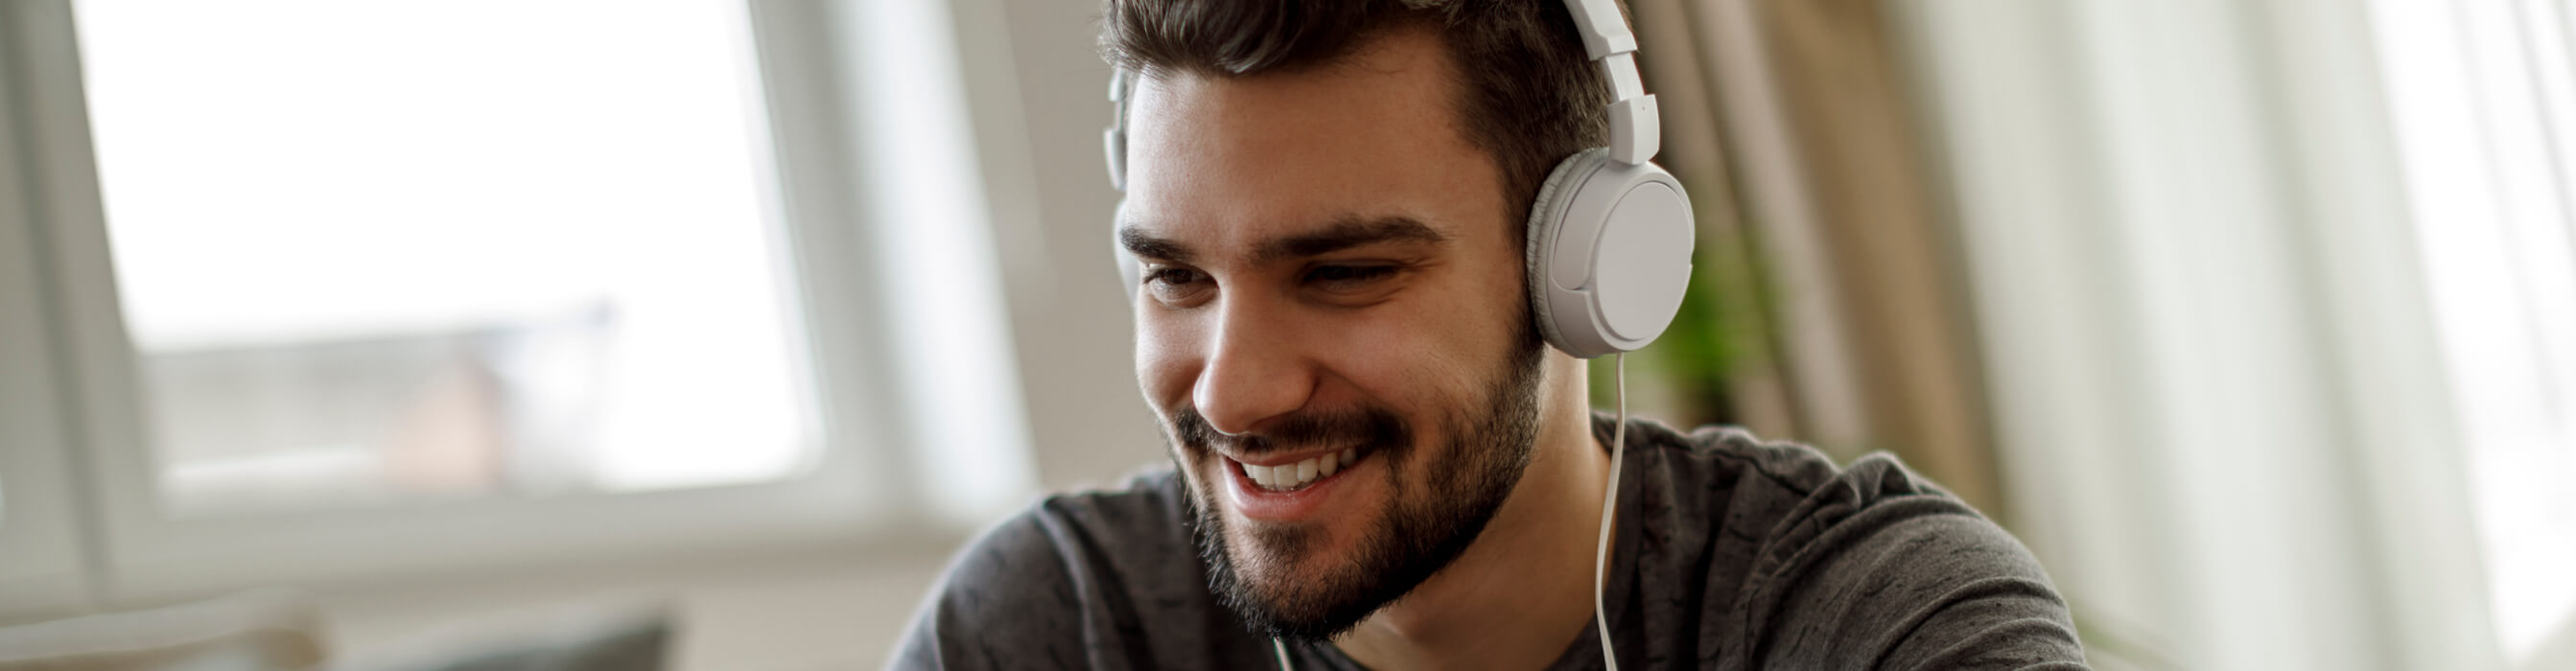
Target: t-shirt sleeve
<point>1921,582</point>
<point>1006,602</point>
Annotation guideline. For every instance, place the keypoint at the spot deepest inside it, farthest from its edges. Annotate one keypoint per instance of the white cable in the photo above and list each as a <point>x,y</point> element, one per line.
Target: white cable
<point>1609,504</point>
<point>1282,648</point>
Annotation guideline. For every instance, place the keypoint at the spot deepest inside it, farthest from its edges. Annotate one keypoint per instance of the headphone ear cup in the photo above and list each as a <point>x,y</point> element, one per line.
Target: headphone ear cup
<point>1609,254</point>
<point>1546,217</point>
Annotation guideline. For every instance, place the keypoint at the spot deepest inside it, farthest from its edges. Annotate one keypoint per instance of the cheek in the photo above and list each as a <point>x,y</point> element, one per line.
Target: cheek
<point>1167,361</point>
<point>1415,361</point>
<point>1435,364</point>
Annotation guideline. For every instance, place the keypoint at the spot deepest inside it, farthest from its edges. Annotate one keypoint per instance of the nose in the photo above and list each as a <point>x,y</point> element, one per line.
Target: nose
<point>1254,371</point>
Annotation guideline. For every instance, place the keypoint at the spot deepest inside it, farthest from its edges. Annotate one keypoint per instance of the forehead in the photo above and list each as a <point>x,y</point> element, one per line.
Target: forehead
<point>1226,162</point>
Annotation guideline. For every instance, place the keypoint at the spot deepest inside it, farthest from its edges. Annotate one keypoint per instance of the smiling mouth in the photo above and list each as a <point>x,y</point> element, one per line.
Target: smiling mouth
<point>1300,475</point>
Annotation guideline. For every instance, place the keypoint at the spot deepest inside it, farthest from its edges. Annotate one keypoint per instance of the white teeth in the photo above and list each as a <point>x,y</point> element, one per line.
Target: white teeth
<point>1285,477</point>
<point>1350,455</point>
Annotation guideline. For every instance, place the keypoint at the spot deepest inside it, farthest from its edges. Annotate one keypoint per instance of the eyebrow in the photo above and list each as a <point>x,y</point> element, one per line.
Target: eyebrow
<point>1344,233</point>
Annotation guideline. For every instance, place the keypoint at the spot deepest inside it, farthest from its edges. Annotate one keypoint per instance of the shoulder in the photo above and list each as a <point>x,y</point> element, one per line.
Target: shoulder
<point>1029,592</point>
<point>1791,498</point>
<point>1880,569</point>
<point>1865,566</point>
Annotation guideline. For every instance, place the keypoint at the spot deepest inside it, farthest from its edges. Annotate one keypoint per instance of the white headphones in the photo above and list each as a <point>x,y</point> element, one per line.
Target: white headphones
<point>1610,234</point>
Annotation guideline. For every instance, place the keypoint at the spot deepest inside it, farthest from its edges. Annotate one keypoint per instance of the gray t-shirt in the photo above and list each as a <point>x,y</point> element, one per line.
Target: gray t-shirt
<point>1743,555</point>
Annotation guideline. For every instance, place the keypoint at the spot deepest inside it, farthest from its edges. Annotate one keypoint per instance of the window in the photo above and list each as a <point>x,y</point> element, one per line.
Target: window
<point>2485,108</point>
<point>386,250</point>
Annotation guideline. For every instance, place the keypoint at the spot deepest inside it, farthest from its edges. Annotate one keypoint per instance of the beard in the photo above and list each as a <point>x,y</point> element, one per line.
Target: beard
<point>1441,501</point>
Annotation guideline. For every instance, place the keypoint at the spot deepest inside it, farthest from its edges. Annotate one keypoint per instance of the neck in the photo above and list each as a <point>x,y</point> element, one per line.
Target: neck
<point>1522,593</point>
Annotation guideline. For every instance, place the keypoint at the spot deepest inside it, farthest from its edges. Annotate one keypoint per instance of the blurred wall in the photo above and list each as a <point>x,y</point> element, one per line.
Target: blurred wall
<point>1039,93</point>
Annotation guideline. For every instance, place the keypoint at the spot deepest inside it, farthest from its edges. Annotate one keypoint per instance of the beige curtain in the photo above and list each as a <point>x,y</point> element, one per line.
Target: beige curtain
<point>1822,234</point>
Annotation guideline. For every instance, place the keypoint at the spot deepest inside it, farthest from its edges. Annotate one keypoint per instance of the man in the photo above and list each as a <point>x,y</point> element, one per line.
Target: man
<point>1379,461</point>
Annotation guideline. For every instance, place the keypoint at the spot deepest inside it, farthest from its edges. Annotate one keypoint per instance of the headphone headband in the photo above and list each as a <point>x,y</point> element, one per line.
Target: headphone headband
<point>1635,125</point>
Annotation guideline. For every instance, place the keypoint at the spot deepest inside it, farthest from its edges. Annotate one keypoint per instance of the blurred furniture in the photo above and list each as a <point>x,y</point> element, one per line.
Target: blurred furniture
<point>611,637</point>
<point>255,630</point>
<point>279,629</point>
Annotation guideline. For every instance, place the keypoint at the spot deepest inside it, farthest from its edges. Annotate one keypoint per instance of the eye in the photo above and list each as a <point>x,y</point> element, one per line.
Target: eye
<point>1174,285</point>
<point>1348,277</point>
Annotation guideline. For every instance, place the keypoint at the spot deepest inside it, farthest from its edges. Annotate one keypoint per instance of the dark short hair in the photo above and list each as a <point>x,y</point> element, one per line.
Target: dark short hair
<point>1527,94</point>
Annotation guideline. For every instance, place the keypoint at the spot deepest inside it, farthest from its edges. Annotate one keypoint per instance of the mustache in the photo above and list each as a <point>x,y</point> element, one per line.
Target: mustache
<point>1365,426</point>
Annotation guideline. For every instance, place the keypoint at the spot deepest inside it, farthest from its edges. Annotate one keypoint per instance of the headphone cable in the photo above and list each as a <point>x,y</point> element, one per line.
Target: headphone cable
<point>1609,501</point>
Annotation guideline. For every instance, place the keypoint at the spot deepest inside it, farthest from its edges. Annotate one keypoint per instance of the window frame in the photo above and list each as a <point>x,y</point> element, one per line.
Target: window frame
<point>42,562</point>
<point>863,485</point>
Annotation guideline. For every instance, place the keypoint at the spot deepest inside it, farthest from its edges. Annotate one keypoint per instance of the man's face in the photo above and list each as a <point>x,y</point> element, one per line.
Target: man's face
<point>1329,275</point>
